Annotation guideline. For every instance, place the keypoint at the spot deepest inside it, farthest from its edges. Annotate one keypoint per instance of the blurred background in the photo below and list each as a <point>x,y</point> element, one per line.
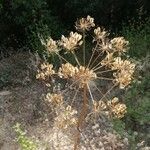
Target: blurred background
<point>22,20</point>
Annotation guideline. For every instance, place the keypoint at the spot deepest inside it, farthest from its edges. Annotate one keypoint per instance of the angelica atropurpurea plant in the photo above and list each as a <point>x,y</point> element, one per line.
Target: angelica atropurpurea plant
<point>107,57</point>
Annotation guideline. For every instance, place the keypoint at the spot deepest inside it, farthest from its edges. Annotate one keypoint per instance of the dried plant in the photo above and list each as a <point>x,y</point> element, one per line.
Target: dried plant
<point>106,60</point>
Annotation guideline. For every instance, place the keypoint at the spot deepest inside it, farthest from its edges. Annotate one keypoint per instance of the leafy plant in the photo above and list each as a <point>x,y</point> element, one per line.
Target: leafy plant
<point>24,20</point>
<point>25,142</point>
<point>138,35</point>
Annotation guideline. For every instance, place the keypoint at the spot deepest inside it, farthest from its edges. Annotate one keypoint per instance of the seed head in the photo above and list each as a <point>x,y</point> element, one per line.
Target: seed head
<point>118,109</point>
<point>84,24</point>
<point>98,106</point>
<point>84,75</point>
<point>72,42</point>
<point>50,45</point>
<point>119,44</point>
<point>54,99</point>
<point>100,34</point>
<point>67,70</point>
<point>66,117</point>
<point>45,71</point>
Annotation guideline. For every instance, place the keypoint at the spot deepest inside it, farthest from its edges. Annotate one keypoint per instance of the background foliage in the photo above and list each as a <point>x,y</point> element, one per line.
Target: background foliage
<point>21,20</point>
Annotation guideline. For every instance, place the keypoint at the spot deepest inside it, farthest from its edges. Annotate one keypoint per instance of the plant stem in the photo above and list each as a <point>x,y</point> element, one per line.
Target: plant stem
<point>84,48</point>
<point>76,58</point>
<point>82,116</point>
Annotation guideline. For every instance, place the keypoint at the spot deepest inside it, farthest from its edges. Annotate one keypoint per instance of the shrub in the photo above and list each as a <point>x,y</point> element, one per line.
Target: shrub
<point>138,35</point>
<point>24,20</point>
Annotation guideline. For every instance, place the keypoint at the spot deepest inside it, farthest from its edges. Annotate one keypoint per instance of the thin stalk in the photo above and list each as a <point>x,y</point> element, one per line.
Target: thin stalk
<point>90,92</point>
<point>108,91</point>
<point>100,66</point>
<point>76,58</point>
<point>71,85</point>
<point>75,96</point>
<point>103,78</point>
<point>84,48</point>
<point>95,61</point>
<point>92,56</point>
<point>100,91</point>
<point>104,71</point>
<point>62,58</point>
<point>81,117</point>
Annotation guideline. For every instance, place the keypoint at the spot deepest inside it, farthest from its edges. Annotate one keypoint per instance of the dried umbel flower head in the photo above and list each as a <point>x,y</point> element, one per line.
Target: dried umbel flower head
<point>99,106</point>
<point>54,99</point>
<point>67,117</point>
<point>67,70</point>
<point>125,71</point>
<point>50,45</point>
<point>72,42</point>
<point>84,24</point>
<point>100,34</point>
<point>123,79</point>
<point>119,44</point>
<point>84,76</point>
<point>45,71</point>
<point>81,74</point>
<point>118,109</point>
<point>120,64</point>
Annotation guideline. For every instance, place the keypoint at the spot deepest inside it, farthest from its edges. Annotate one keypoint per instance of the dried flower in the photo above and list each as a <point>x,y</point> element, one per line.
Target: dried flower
<point>100,34</point>
<point>55,99</point>
<point>72,42</point>
<point>125,65</point>
<point>125,71</point>
<point>45,72</point>
<point>117,108</point>
<point>84,24</point>
<point>98,106</point>
<point>81,75</point>
<point>66,117</point>
<point>84,75</point>
<point>119,44</point>
<point>67,70</point>
<point>113,102</point>
<point>50,45</point>
<point>123,78</point>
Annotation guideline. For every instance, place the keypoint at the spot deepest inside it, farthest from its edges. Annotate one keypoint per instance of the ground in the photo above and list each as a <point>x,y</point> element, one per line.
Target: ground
<point>21,100</point>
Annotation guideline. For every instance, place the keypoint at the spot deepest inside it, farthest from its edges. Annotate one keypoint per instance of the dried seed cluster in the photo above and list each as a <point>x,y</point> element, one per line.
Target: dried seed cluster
<point>125,70</point>
<point>117,108</point>
<point>46,71</point>
<point>99,106</point>
<point>85,24</point>
<point>72,42</point>
<point>119,44</point>
<point>80,74</point>
<point>111,107</point>
<point>50,45</point>
<point>54,99</point>
<point>66,117</point>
